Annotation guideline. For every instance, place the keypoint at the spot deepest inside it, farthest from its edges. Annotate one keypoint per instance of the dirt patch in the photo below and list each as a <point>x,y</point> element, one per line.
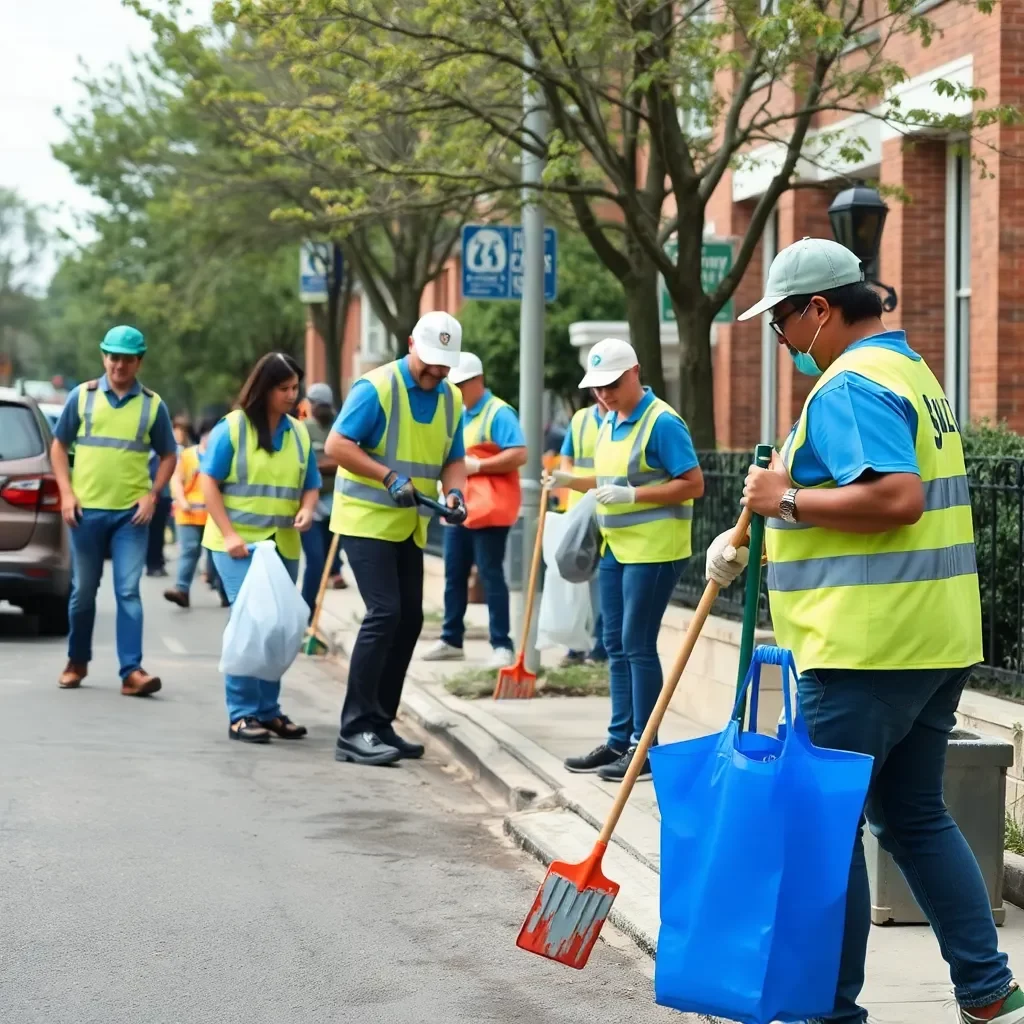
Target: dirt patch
<point>574,681</point>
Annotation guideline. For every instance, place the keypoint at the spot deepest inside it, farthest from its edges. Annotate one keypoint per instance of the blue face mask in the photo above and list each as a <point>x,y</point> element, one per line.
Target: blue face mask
<point>804,361</point>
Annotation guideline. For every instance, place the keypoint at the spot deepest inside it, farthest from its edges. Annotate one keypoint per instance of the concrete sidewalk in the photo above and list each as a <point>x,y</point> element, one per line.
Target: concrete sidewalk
<point>518,747</point>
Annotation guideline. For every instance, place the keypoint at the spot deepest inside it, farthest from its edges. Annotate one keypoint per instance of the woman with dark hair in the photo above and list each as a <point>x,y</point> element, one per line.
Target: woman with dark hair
<point>260,481</point>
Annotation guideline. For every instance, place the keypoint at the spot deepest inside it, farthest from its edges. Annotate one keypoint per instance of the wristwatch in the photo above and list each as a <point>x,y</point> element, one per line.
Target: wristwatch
<point>787,505</point>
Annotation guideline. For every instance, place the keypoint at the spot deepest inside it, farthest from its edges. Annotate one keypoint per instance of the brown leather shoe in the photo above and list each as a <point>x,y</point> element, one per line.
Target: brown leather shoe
<point>72,675</point>
<point>139,684</point>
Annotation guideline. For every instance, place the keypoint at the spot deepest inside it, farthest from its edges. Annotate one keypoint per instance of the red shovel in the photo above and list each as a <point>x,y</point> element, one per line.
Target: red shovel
<point>574,900</point>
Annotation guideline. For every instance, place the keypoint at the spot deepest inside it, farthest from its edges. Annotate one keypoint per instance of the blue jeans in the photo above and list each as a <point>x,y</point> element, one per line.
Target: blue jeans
<point>903,719</point>
<point>247,695</point>
<point>485,548</point>
<point>98,530</point>
<point>633,600</point>
<point>316,542</point>
<point>190,542</point>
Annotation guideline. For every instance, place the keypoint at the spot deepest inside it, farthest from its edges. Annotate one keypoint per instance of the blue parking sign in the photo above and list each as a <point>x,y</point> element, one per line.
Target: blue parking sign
<point>492,256</point>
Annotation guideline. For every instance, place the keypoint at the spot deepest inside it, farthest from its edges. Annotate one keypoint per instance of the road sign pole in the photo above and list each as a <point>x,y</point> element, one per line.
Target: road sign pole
<point>531,331</point>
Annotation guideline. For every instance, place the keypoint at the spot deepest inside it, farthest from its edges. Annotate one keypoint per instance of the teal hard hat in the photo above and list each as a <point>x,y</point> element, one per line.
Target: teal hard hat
<point>124,341</point>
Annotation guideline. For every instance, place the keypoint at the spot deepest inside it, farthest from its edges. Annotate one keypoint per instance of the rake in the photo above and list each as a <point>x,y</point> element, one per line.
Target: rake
<point>315,643</point>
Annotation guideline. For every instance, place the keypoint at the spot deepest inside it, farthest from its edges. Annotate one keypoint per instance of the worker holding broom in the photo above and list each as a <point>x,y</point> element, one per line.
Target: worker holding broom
<point>398,433</point>
<point>647,477</point>
<point>873,586</point>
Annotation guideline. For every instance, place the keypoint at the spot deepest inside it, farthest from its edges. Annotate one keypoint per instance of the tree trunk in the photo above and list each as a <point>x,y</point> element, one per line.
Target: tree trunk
<point>696,388</point>
<point>641,291</point>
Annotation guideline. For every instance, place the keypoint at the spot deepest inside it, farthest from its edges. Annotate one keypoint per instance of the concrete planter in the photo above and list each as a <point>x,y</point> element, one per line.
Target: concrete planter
<point>975,792</point>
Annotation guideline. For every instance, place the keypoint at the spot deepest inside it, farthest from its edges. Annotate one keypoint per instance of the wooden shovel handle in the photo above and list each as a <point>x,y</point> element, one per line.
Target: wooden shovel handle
<point>738,538</point>
<point>324,577</point>
<point>531,589</point>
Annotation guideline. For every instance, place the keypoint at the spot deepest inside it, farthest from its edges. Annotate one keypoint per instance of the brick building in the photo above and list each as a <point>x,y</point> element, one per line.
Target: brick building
<point>954,252</point>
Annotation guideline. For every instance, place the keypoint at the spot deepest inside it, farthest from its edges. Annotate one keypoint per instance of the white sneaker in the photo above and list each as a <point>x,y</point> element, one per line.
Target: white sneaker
<point>501,656</point>
<point>444,652</point>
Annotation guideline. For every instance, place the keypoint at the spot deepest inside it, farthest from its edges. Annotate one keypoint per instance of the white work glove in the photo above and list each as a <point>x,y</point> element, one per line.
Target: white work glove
<point>616,494</point>
<point>724,562</point>
<point>472,466</point>
<point>557,478</point>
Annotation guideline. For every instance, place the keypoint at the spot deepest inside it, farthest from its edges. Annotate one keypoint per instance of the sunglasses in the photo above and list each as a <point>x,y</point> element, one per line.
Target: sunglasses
<point>615,384</point>
<point>778,324</point>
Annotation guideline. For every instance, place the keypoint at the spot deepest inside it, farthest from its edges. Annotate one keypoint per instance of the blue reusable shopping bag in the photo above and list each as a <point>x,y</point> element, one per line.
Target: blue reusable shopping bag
<point>756,841</point>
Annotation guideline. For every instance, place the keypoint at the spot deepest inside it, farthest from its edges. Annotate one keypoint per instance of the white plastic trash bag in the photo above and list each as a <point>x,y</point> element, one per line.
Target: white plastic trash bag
<point>565,618</point>
<point>268,620</point>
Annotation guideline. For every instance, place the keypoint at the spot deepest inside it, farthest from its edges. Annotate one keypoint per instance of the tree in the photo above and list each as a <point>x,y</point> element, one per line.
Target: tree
<point>22,242</point>
<point>651,104</point>
<point>586,291</point>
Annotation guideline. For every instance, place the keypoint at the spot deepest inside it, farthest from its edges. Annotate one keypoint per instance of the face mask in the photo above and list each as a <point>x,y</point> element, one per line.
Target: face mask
<point>804,361</point>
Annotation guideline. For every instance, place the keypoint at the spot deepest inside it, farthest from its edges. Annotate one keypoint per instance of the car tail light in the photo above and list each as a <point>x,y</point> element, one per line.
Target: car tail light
<point>38,492</point>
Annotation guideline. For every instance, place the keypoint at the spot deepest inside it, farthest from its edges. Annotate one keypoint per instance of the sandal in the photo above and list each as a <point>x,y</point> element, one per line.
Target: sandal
<point>285,728</point>
<point>248,730</point>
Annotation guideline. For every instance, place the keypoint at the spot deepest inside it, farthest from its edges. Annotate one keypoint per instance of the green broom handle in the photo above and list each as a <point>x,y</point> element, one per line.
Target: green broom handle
<point>752,595</point>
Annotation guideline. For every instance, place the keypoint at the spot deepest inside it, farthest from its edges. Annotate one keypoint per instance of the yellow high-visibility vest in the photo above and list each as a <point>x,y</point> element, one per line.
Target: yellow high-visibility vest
<point>641,532</point>
<point>584,428</point>
<point>263,490</point>
<point>112,448</point>
<point>907,598</point>
<point>362,506</point>
<point>478,429</point>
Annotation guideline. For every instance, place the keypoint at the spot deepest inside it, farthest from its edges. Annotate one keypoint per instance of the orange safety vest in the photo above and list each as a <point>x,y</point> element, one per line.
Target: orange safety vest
<point>188,472</point>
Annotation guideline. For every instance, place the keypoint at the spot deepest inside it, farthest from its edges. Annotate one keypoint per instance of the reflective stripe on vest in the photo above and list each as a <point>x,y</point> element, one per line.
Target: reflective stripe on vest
<point>88,439</point>
<point>478,429</point>
<point>241,488</point>
<point>905,598</point>
<point>643,532</point>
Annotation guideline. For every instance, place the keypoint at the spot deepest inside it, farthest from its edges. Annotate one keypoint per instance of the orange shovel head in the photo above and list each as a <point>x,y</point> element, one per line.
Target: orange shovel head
<point>515,682</point>
<point>571,906</point>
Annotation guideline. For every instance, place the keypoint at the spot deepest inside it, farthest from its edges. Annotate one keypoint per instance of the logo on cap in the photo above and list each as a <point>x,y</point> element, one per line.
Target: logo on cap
<point>444,337</point>
<point>595,360</point>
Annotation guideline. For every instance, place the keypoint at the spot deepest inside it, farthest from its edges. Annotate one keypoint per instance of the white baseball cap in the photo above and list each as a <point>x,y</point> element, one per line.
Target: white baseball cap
<point>608,360</point>
<point>469,367</point>
<point>437,339</point>
<point>807,267</point>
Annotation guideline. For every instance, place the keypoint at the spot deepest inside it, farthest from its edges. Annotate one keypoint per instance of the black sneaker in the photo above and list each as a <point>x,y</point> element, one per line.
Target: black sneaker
<point>599,757</point>
<point>617,772</point>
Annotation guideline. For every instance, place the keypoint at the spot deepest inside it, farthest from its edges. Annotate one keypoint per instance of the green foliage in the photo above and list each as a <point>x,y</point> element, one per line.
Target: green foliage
<point>995,465</point>
<point>586,291</point>
<point>22,241</point>
<point>1013,835</point>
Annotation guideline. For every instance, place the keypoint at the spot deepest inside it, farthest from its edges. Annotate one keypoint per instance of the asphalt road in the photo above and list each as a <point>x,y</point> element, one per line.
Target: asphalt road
<point>153,872</point>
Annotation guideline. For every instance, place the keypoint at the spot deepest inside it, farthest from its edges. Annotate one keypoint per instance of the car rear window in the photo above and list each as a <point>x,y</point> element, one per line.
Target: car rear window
<point>20,437</point>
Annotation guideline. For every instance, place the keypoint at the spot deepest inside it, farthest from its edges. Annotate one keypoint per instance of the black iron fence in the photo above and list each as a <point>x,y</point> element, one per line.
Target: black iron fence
<point>997,499</point>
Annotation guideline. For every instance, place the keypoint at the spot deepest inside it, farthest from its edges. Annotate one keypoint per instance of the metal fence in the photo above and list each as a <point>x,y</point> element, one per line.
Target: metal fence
<point>997,499</point>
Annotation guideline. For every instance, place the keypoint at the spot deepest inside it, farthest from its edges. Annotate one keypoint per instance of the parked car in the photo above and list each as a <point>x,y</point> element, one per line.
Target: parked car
<point>35,553</point>
<point>52,411</point>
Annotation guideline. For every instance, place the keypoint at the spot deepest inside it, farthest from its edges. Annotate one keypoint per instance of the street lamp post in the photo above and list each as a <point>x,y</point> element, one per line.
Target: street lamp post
<point>857,216</point>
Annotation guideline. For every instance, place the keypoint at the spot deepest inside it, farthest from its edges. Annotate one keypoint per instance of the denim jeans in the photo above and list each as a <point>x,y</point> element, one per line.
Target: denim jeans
<point>597,651</point>
<point>190,545</point>
<point>903,719</point>
<point>316,542</point>
<point>485,548</point>
<point>247,695</point>
<point>100,530</point>
<point>633,599</point>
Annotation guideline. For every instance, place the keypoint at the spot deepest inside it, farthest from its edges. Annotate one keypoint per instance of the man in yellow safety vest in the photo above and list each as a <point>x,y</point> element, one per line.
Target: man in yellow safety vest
<point>113,422</point>
<point>873,586</point>
<point>399,432</point>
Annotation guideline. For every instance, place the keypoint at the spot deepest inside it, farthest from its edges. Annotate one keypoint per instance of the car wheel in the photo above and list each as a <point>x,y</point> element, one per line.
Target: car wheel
<point>52,613</point>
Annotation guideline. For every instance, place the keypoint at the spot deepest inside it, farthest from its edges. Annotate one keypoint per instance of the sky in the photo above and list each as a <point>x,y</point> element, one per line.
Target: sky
<point>42,46</point>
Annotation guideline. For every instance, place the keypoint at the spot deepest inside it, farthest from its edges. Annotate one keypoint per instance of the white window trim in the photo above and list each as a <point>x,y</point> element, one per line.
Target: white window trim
<point>769,344</point>
<point>371,327</point>
<point>958,280</point>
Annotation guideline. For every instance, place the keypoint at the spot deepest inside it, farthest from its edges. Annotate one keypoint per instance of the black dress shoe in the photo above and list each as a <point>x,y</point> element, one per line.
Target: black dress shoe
<point>404,747</point>
<point>365,748</point>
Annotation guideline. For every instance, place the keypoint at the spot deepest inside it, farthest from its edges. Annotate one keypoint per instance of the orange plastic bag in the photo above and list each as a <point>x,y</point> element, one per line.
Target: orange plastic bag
<point>491,500</point>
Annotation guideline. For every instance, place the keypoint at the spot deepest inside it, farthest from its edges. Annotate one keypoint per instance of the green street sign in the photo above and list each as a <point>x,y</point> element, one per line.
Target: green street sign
<point>715,263</point>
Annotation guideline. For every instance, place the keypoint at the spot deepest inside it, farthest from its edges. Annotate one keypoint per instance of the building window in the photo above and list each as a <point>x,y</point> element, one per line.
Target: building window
<point>769,342</point>
<point>376,341</point>
<point>958,279</point>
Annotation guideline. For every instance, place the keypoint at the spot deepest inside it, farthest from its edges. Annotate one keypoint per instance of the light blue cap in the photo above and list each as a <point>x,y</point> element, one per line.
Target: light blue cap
<point>807,267</point>
<point>123,341</point>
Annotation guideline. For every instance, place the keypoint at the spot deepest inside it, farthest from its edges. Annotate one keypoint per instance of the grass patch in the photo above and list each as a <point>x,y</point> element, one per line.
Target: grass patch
<point>576,681</point>
<point>1014,835</point>
<point>433,616</point>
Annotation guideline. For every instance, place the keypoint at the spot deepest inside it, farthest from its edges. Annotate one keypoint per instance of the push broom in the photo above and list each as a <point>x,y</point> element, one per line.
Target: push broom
<point>516,681</point>
<point>315,643</point>
<point>574,899</point>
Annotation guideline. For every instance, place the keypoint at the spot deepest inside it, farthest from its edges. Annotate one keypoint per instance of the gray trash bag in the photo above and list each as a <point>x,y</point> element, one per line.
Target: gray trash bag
<point>580,548</point>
